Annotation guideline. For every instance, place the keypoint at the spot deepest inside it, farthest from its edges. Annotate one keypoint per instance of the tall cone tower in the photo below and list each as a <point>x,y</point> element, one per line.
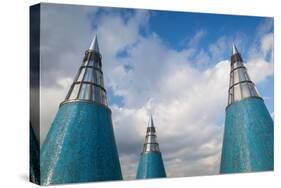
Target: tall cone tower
<point>80,145</point>
<point>151,164</point>
<point>248,132</point>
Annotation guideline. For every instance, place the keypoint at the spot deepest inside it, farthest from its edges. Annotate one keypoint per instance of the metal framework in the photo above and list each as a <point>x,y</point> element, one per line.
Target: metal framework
<point>88,83</point>
<point>150,143</point>
<point>240,84</point>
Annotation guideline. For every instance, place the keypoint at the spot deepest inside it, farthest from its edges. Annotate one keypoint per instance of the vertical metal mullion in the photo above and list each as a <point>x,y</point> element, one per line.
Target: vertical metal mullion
<point>249,86</point>
<point>91,92</point>
<point>88,59</point>
<point>81,83</point>
<point>91,86</point>
<point>240,84</point>
<point>73,84</point>
<point>231,89</point>
<point>70,91</point>
<point>232,94</point>
<point>241,90</point>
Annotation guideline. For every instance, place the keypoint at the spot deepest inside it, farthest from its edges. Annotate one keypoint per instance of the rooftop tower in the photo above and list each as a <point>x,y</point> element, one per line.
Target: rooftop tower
<point>151,164</point>
<point>248,132</point>
<point>80,145</point>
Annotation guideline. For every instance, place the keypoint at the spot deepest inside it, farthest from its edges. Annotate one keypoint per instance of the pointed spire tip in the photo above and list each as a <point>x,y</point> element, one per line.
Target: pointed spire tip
<point>151,124</point>
<point>234,49</point>
<point>94,44</point>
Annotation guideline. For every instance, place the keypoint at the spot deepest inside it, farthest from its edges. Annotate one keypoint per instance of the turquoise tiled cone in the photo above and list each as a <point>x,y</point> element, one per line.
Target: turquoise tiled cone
<point>248,138</point>
<point>80,146</point>
<point>151,166</point>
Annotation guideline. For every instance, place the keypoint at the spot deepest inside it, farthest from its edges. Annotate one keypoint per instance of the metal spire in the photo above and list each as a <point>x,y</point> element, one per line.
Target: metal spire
<point>240,85</point>
<point>88,84</point>
<point>94,44</point>
<point>150,143</point>
<point>151,124</point>
<point>234,49</point>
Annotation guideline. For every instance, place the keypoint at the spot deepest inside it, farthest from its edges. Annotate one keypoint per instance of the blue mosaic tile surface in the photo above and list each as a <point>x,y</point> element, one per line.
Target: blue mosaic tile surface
<point>80,146</point>
<point>248,138</point>
<point>151,166</point>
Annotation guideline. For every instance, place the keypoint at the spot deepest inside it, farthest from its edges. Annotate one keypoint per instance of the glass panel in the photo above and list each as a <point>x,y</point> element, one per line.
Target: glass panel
<point>245,90</point>
<point>236,76</point>
<point>237,93</point>
<point>230,97</point>
<point>101,80</point>
<point>151,139</point>
<point>253,90</point>
<point>81,75</point>
<point>97,65</point>
<point>100,94</point>
<point>89,75</point>
<point>74,92</point>
<point>151,147</point>
<point>231,79</point>
<point>91,63</point>
<point>243,74</point>
<point>102,97</point>
<point>246,75</point>
<point>94,92</point>
<point>237,64</point>
<point>104,101</point>
<point>97,94</point>
<point>85,92</point>
<point>96,74</point>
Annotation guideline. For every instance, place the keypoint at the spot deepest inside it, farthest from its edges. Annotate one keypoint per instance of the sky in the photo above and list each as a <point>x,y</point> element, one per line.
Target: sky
<point>173,65</point>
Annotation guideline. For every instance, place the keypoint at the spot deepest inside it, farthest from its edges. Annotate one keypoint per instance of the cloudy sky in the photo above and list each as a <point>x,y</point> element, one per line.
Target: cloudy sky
<point>173,65</point>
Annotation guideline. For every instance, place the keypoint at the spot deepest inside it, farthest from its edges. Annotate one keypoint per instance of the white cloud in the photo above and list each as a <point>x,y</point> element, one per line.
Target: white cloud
<point>264,27</point>
<point>217,49</point>
<point>179,103</point>
<point>194,41</point>
<point>267,44</point>
<point>259,69</point>
<point>60,47</point>
<point>260,63</point>
<point>187,102</point>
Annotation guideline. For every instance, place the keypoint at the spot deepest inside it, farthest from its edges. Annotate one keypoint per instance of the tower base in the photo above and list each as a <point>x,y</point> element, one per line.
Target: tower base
<point>151,166</point>
<point>248,138</point>
<point>80,146</point>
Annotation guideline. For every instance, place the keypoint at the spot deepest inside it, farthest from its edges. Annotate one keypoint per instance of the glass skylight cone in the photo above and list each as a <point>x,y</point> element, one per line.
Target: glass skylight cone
<point>150,143</point>
<point>88,84</point>
<point>240,84</point>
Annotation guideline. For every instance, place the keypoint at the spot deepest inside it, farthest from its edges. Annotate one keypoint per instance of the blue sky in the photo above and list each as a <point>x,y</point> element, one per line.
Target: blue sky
<point>183,26</point>
<point>174,65</point>
<point>176,28</point>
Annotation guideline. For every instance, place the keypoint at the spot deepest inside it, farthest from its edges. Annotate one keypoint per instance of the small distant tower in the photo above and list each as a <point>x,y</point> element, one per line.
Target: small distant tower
<point>151,163</point>
<point>80,145</point>
<point>248,132</point>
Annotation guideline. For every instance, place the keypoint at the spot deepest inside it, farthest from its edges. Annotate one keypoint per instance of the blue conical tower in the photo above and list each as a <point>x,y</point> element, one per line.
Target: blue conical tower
<point>80,145</point>
<point>248,132</point>
<point>151,164</point>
